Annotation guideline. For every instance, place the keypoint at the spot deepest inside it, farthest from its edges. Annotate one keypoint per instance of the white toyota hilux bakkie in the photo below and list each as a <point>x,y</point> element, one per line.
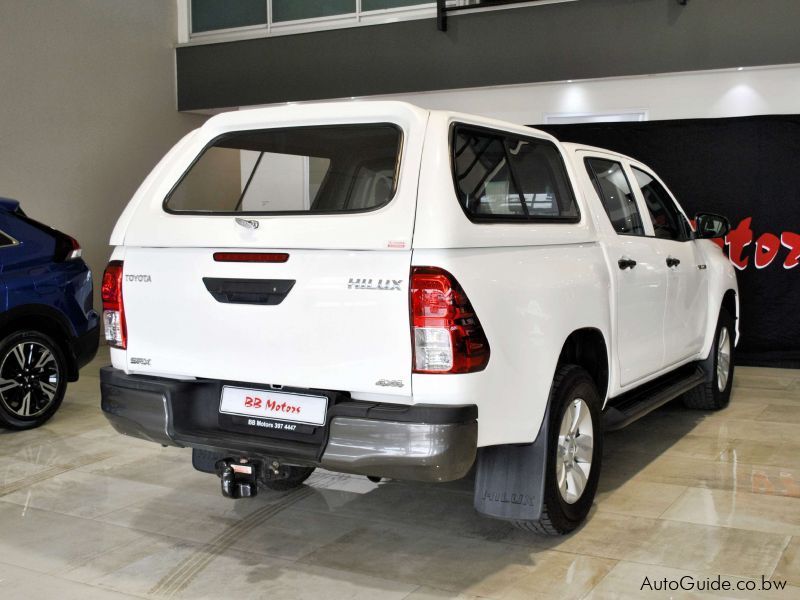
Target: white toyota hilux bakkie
<point>378,289</point>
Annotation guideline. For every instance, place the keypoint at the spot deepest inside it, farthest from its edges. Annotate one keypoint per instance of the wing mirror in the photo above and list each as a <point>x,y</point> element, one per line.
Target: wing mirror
<point>709,226</point>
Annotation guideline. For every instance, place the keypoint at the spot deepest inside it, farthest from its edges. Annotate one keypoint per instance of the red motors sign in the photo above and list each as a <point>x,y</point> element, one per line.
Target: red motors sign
<point>768,247</point>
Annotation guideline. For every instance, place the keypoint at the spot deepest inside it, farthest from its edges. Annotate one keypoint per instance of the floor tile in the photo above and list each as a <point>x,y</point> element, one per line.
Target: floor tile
<point>83,494</point>
<point>638,498</point>
<point>724,475</point>
<point>789,564</point>
<point>709,549</point>
<point>439,561</point>
<point>742,510</point>
<point>17,583</point>
<point>13,471</point>
<point>170,569</point>
<point>764,380</point>
<point>607,535</point>
<point>780,413</point>
<point>556,575</point>
<point>762,453</point>
<point>749,429</point>
<point>429,593</point>
<point>48,542</point>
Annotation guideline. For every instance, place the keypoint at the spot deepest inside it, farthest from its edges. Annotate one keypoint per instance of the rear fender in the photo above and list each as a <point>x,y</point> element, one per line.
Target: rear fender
<point>46,320</point>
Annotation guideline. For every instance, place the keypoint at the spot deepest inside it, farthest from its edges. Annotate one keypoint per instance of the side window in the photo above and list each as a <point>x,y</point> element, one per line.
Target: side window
<point>503,177</point>
<point>5,239</point>
<point>668,222</point>
<point>616,194</point>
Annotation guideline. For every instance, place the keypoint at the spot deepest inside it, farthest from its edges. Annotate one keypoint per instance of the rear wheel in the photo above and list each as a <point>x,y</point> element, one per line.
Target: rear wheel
<point>32,379</point>
<point>715,392</point>
<point>294,477</point>
<point>573,454</point>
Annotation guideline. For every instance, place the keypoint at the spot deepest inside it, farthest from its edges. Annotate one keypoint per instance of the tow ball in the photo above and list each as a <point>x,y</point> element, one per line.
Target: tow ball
<point>238,478</point>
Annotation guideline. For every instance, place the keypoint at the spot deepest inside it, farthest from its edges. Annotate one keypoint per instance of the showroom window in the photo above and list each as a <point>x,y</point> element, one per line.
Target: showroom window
<point>508,178</point>
<point>213,20</point>
<point>208,16</point>
<point>616,194</point>
<point>322,169</point>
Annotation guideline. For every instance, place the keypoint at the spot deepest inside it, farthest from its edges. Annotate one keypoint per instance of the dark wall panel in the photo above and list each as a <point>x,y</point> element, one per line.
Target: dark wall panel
<point>572,40</point>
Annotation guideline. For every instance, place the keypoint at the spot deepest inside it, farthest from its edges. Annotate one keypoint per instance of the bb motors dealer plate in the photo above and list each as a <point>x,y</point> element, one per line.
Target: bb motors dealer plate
<point>273,410</point>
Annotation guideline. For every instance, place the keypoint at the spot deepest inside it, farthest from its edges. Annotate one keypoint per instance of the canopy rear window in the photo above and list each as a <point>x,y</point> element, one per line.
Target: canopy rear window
<point>321,169</point>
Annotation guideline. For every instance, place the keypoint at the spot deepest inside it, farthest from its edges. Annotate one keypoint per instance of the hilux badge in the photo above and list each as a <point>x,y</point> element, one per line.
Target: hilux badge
<point>363,283</point>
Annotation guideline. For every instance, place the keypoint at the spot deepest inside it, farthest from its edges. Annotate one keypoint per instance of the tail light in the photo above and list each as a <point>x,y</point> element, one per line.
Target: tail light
<point>67,247</point>
<point>113,309</point>
<point>447,335</point>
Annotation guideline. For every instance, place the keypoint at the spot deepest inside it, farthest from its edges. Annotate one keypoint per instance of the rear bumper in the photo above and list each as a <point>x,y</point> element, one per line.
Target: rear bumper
<point>84,347</point>
<point>418,442</point>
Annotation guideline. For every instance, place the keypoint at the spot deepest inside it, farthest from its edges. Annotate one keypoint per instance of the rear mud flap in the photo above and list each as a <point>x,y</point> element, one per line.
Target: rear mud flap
<point>509,481</point>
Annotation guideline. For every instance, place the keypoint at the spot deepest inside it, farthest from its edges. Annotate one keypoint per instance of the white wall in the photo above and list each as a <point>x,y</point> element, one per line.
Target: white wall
<point>88,107</point>
<point>771,90</point>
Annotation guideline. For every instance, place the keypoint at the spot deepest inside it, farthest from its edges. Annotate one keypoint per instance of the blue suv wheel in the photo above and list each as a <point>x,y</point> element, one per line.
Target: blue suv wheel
<point>32,379</point>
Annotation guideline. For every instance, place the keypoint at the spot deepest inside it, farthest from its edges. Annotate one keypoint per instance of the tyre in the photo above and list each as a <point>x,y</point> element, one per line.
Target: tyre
<point>574,451</point>
<point>33,379</point>
<point>715,392</point>
<point>295,476</point>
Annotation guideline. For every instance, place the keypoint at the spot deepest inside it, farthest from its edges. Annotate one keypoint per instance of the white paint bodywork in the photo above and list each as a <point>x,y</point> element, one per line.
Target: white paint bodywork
<point>531,285</point>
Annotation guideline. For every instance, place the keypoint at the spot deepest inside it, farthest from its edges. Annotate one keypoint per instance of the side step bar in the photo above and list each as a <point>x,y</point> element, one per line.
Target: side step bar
<point>627,408</point>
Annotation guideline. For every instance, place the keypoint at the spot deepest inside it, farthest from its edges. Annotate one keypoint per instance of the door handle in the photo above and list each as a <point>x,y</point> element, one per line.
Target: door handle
<point>672,261</point>
<point>626,263</point>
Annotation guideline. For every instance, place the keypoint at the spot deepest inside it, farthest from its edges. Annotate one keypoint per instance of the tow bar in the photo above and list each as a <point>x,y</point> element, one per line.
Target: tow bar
<point>238,478</point>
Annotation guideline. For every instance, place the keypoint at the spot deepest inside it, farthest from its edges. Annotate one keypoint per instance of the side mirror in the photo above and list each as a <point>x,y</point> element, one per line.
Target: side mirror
<point>709,226</point>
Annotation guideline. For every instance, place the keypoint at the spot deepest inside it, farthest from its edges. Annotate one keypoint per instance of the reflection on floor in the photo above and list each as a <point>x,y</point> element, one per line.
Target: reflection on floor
<point>86,513</point>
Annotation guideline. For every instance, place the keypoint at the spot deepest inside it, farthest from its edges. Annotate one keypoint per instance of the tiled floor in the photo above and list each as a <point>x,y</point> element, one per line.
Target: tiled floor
<point>86,513</point>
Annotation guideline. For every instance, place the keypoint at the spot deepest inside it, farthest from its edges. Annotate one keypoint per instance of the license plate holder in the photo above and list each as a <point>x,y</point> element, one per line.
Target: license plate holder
<point>273,410</point>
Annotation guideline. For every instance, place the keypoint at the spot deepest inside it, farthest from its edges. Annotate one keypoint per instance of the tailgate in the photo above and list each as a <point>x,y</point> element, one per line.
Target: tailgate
<point>333,189</point>
<point>328,319</point>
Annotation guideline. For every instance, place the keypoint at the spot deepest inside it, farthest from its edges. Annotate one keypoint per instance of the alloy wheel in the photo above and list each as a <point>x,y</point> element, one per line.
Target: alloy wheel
<point>575,450</point>
<point>29,378</point>
<point>723,358</point>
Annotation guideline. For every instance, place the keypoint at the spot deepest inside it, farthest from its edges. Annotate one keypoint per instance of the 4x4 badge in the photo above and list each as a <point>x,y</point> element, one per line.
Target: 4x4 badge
<point>390,383</point>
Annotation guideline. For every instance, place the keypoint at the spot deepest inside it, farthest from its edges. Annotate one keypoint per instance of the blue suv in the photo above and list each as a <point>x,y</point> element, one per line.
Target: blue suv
<point>48,326</point>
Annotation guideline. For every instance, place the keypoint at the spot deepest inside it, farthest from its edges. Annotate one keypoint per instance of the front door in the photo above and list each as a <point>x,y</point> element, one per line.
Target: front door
<point>684,320</point>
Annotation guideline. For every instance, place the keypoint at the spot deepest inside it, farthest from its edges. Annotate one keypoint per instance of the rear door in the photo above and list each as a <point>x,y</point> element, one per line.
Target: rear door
<point>638,268</point>
<point>281,256</point>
